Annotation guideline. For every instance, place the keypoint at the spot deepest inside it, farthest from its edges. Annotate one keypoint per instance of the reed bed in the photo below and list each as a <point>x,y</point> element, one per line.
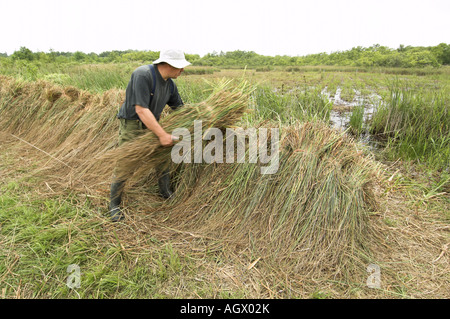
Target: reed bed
<point>299,104</point>
<point>312,214</point>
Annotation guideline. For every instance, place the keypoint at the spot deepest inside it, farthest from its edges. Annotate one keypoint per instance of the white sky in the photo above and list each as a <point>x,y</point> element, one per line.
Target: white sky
<point>268,27</point>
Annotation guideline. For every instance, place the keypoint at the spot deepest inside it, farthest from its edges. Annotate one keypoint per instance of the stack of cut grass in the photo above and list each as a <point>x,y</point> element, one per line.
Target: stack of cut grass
<point>68,125</point>
<point>313,213</point>
<point>51,117</point>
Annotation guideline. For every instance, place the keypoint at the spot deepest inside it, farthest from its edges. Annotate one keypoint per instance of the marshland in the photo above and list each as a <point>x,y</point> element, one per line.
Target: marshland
<point>363,179</point>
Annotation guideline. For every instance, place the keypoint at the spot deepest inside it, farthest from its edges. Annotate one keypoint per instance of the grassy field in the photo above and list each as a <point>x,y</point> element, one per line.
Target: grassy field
<point>48,221</point>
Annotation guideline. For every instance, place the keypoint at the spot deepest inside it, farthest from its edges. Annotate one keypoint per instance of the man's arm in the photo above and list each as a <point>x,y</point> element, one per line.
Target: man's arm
<point>147,117</point>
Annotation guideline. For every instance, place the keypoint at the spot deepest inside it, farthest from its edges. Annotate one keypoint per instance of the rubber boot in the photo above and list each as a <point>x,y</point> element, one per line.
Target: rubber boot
<point>165,188</point>
<point>116,198</point>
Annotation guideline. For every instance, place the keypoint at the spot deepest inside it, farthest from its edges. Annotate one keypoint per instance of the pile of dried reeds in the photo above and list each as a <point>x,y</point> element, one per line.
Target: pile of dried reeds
<point>313,211</point>
<point>63,121</point>
<point>69,126</point>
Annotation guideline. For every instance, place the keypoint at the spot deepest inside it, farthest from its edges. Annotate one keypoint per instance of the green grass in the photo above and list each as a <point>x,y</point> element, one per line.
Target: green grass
<point>357,119</point>
<point>42,237</point>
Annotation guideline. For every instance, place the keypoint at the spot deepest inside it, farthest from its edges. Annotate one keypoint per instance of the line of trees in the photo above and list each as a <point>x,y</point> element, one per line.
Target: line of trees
<point>376,55</point>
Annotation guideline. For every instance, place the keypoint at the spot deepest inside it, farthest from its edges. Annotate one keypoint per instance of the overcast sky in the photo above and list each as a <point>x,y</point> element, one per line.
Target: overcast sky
<point>268,27</point>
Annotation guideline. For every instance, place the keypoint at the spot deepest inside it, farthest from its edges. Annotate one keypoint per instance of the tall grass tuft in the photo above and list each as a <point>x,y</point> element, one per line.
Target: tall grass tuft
<point>357,119</point>
<point>415,124</point>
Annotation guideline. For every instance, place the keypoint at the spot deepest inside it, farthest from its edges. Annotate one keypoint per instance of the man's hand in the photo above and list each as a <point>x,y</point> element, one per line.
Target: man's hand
<point>166,139</point>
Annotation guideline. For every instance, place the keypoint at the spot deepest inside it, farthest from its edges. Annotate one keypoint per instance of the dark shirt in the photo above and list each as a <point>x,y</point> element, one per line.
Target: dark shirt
<point>138,93</point>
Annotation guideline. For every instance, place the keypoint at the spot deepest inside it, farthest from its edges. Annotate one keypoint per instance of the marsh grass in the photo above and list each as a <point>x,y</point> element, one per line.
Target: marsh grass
<point>415,124</point>
<point>303,105</point>
<point>95,78</point>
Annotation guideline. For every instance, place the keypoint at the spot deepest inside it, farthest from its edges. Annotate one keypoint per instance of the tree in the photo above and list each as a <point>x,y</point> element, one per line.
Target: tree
<point>442,53</point>
<point>421,58</point>
<point>79,56</point>
<point>23,54</point>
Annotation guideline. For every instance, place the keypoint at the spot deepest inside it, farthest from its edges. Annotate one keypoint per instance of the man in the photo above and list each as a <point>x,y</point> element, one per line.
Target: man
<point>150,89</point>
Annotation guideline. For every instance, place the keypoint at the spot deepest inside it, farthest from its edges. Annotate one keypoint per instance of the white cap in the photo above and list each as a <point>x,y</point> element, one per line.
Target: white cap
<point>173,57</point>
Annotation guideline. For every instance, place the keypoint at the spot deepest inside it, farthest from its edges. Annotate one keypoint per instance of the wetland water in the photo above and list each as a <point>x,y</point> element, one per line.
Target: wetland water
<point>342,111</point>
